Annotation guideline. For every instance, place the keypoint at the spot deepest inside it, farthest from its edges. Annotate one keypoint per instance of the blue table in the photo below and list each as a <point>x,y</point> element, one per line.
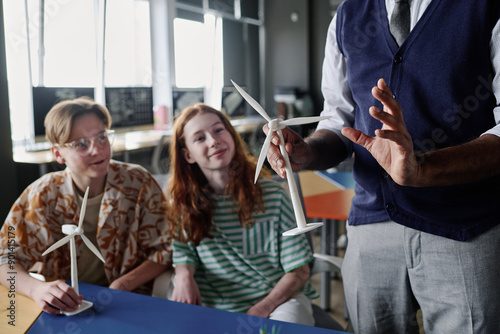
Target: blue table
<point>116,311</point>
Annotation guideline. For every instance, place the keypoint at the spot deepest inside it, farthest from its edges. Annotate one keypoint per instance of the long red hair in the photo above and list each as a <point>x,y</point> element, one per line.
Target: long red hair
<point>191,196</point>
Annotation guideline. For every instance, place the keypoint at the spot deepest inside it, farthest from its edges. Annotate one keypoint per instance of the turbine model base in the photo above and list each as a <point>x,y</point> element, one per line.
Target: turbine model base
<point>83,306</point>
<point>298,230</point>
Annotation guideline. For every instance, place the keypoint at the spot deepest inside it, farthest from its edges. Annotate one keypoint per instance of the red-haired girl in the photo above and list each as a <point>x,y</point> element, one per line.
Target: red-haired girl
<point>230,253</point>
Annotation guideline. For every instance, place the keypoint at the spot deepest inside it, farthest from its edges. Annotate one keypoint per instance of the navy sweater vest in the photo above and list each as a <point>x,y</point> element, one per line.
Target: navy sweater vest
<point>441,75</point>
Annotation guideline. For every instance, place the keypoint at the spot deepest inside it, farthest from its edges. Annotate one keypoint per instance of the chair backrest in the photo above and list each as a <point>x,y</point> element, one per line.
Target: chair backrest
<point>160,159</point>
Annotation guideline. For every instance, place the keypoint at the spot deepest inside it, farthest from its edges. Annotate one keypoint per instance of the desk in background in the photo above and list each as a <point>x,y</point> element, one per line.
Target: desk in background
<point>118,311</point>
<point>327,196</point>
<point>124,142</point>
<point>128,141</point>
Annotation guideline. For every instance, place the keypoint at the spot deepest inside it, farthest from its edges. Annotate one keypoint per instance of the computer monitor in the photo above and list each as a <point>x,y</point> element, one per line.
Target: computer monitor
<point>129,106</point>
<point>184,97</point>
<point>233,103</point>
<point>44,98</point>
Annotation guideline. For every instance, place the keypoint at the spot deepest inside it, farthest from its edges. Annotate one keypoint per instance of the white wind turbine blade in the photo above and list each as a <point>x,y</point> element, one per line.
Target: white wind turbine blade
<point>91,246</point>
<point>251,101</point>
<point>58,244</point>
<point>263,154</point>
<point>303,120</point>
<point>84,208</point>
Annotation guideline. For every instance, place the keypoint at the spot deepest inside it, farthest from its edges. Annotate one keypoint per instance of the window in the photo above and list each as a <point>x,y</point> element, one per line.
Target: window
<point>197,44</point>
<point>69,57</point>
<point>18,65</point>
<point>128,43</point>
<point>64,48</point>
<point>191,48</point>
<point>198,56</point>
<point>215,41</point>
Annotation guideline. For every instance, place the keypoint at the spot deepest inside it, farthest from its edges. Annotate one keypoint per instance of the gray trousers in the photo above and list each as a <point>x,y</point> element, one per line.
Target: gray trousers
<point>390,271</point>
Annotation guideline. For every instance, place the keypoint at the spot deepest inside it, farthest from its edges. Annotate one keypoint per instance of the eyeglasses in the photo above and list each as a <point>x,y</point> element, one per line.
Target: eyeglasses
<point>83,146</point>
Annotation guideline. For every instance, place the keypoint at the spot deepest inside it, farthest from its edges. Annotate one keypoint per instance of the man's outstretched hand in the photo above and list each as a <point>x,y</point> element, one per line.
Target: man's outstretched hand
<point>392,145</point>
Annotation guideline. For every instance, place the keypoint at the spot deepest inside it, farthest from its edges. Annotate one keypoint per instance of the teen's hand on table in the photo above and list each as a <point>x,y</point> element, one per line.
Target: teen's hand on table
<point>392,145</point>
<point>54,297</point>
<point>260,309</point>
<point>186,290</point>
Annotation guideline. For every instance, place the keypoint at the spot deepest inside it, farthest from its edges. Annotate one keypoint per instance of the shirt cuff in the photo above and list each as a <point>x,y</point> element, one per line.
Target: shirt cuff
<point>493,131</point>
<point>347,142</point>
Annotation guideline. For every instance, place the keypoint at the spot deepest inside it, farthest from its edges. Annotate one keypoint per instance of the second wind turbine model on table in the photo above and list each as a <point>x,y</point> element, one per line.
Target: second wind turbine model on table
<point>275,125</point>
<point>72,231</point>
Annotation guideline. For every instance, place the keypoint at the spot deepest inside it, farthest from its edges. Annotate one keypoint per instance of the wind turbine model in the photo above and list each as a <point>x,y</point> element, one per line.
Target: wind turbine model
<point>71,232</point>
<point>277,125</point>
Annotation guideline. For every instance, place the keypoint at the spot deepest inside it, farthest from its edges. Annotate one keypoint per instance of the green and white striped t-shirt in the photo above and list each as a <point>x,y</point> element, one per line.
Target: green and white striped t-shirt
<point>239,266</point>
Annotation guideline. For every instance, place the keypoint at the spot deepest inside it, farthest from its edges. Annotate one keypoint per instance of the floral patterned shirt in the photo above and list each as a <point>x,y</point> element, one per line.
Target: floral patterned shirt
<point>132,224</point>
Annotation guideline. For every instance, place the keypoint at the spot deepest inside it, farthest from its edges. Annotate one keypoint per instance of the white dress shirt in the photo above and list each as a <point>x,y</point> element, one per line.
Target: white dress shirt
<point>337,94</point>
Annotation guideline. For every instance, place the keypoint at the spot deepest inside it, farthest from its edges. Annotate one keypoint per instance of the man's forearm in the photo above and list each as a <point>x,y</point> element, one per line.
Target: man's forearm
<point>469,162</point>
<point>328,150</point>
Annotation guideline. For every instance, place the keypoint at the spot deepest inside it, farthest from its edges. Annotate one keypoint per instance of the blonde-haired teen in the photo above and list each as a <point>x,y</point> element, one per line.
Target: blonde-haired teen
<point>126,216</point>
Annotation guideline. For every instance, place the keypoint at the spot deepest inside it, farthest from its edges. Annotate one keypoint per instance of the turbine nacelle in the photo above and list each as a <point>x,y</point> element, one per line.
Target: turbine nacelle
<point>276,124</point>
<point>70,229</point>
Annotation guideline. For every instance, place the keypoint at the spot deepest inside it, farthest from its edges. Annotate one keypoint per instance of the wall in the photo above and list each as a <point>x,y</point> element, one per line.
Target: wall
<point>321,13</point>
<point>287,47</point>
<point>295,50</point>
